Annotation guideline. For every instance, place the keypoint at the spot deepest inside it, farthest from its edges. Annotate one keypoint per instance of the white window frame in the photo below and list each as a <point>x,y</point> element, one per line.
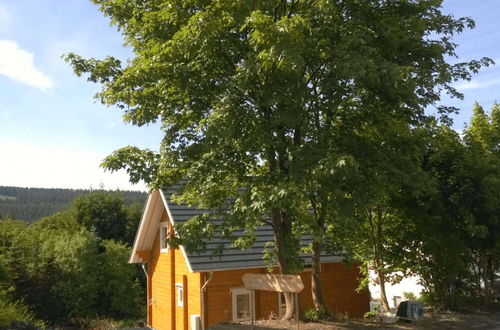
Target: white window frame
<point>180,294</point>
<point>281,304</point>
<point>163,245</point>
<point>242,291</point>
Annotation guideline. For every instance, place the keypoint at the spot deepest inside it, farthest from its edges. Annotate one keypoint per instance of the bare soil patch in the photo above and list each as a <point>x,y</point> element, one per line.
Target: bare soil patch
<point>448,320</point>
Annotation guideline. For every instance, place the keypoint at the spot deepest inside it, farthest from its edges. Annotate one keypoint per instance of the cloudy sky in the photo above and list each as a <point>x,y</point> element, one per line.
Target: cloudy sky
<point>54,134</point>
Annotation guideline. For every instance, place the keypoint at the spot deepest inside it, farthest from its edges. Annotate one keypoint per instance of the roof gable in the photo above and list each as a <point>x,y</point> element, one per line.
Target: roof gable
<point>231,257</point>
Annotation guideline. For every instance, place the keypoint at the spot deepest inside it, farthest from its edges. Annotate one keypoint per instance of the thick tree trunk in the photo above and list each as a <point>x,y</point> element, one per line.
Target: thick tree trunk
<point>282,230</point>
<point>317,295</point>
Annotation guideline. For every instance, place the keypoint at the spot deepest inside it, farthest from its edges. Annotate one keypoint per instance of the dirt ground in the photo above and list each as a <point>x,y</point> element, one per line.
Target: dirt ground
<point>479,320</point>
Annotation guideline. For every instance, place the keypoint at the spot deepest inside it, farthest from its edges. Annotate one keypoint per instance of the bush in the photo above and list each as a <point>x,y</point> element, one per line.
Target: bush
<point>315,315</point>
<point>58,270</point>
<point>121,292</point>
<point>310,315</point>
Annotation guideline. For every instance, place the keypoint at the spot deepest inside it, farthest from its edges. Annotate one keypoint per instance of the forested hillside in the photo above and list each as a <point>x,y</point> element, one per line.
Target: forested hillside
<point>31,204</point>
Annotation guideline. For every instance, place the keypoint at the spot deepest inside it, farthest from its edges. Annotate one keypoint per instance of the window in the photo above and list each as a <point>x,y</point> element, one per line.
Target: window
<point>309,268</point>
<point>281,303</point>
<point>180,294</point>
<point>163,236</point>
<point>242,304</point>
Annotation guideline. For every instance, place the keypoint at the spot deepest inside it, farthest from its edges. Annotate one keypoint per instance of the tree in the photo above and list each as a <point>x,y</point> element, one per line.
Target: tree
<point>64,273</point>
<point>384,169</point>
<point>120,294</point>
<point>248,94</point>
<point>452,239</point>
<point>482,141</point>
<point>102,212</point>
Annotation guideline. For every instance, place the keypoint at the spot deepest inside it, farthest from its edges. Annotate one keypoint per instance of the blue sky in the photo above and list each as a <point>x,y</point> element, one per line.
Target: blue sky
<point>53,133</point>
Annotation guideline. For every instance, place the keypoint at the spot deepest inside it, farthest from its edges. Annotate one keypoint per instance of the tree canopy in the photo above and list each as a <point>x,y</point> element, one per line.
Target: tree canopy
<point>260,95</point>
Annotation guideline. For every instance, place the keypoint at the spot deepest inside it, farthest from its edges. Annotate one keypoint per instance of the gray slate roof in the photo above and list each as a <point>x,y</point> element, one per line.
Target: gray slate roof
<point>231,258</point>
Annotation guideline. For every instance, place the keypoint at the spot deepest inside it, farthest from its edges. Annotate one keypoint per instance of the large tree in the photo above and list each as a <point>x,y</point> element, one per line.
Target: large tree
<point>249,93</point>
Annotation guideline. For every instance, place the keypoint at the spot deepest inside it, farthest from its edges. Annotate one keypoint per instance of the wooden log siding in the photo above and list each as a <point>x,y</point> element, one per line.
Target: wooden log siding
<point>186,301</point>
<point>165,271</point>
<point>159,302</point>
<point>173,310</point>
<point>338,283</point>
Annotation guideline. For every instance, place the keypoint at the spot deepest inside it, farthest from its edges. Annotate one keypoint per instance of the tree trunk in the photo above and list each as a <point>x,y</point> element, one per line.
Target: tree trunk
<point>282,230</point>
<point>290,306</point>
<point>376,225</point>
<point>317,295</point>
<point>383,295</point>
<point>488,294</point>
<point>381,282</point>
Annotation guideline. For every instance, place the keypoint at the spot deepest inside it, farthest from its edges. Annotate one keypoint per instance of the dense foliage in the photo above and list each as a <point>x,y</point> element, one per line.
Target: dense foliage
<point>31,204</point>
<point>61,269</point>
<point>453,240</point>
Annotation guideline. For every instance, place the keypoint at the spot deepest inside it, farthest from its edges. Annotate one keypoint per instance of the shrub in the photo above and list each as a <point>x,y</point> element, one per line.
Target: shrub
<point>121,294</point>
<point>310,315</point>
<point>315,315</point>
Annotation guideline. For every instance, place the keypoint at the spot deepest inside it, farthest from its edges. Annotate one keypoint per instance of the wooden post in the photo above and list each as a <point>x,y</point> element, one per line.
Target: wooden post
<point>172,288</point>
<point>150,298</point>
<point>185,301</point>
<point>297,309</point>
<point>252,307</point>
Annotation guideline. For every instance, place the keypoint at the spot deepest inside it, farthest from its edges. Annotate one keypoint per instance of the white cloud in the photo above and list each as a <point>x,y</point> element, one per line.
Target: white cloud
<point>474,84</point>
<point>34,165</point>
<point>17,64</point>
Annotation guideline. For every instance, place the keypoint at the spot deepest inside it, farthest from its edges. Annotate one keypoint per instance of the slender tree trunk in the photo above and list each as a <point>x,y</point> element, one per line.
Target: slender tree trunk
<point>317,295</point>
<point>383,295</point>
<point>376,225</point>
<point>282,230</point>
<point>486,280</point>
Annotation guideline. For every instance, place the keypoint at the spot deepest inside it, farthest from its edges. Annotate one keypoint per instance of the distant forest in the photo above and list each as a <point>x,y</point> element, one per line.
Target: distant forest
<point>31,204</point>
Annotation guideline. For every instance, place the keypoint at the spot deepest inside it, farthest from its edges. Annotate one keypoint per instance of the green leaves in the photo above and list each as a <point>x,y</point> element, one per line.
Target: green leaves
<point>269,96</point>
<point>141,165</point>
<point>194,233</point>
<point>278,45</point>
<point>102,71</point>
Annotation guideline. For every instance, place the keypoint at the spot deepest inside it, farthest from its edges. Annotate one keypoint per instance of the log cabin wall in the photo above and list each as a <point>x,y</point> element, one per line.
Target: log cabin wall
<point>338,284</point>
<point>167,270</point>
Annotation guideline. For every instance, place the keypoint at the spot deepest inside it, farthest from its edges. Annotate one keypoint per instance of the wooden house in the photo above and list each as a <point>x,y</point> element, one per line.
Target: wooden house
<point>185,289</point>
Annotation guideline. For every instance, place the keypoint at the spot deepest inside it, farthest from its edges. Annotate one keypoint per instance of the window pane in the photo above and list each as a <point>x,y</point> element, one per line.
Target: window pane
<point>180,296</point>
<point>282,305</point>
<point>164,237</point>
<point>243,306</point>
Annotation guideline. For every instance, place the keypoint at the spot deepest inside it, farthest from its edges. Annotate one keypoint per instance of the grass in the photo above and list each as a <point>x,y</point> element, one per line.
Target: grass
<point>16,311</point>
<point>107,323</point>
